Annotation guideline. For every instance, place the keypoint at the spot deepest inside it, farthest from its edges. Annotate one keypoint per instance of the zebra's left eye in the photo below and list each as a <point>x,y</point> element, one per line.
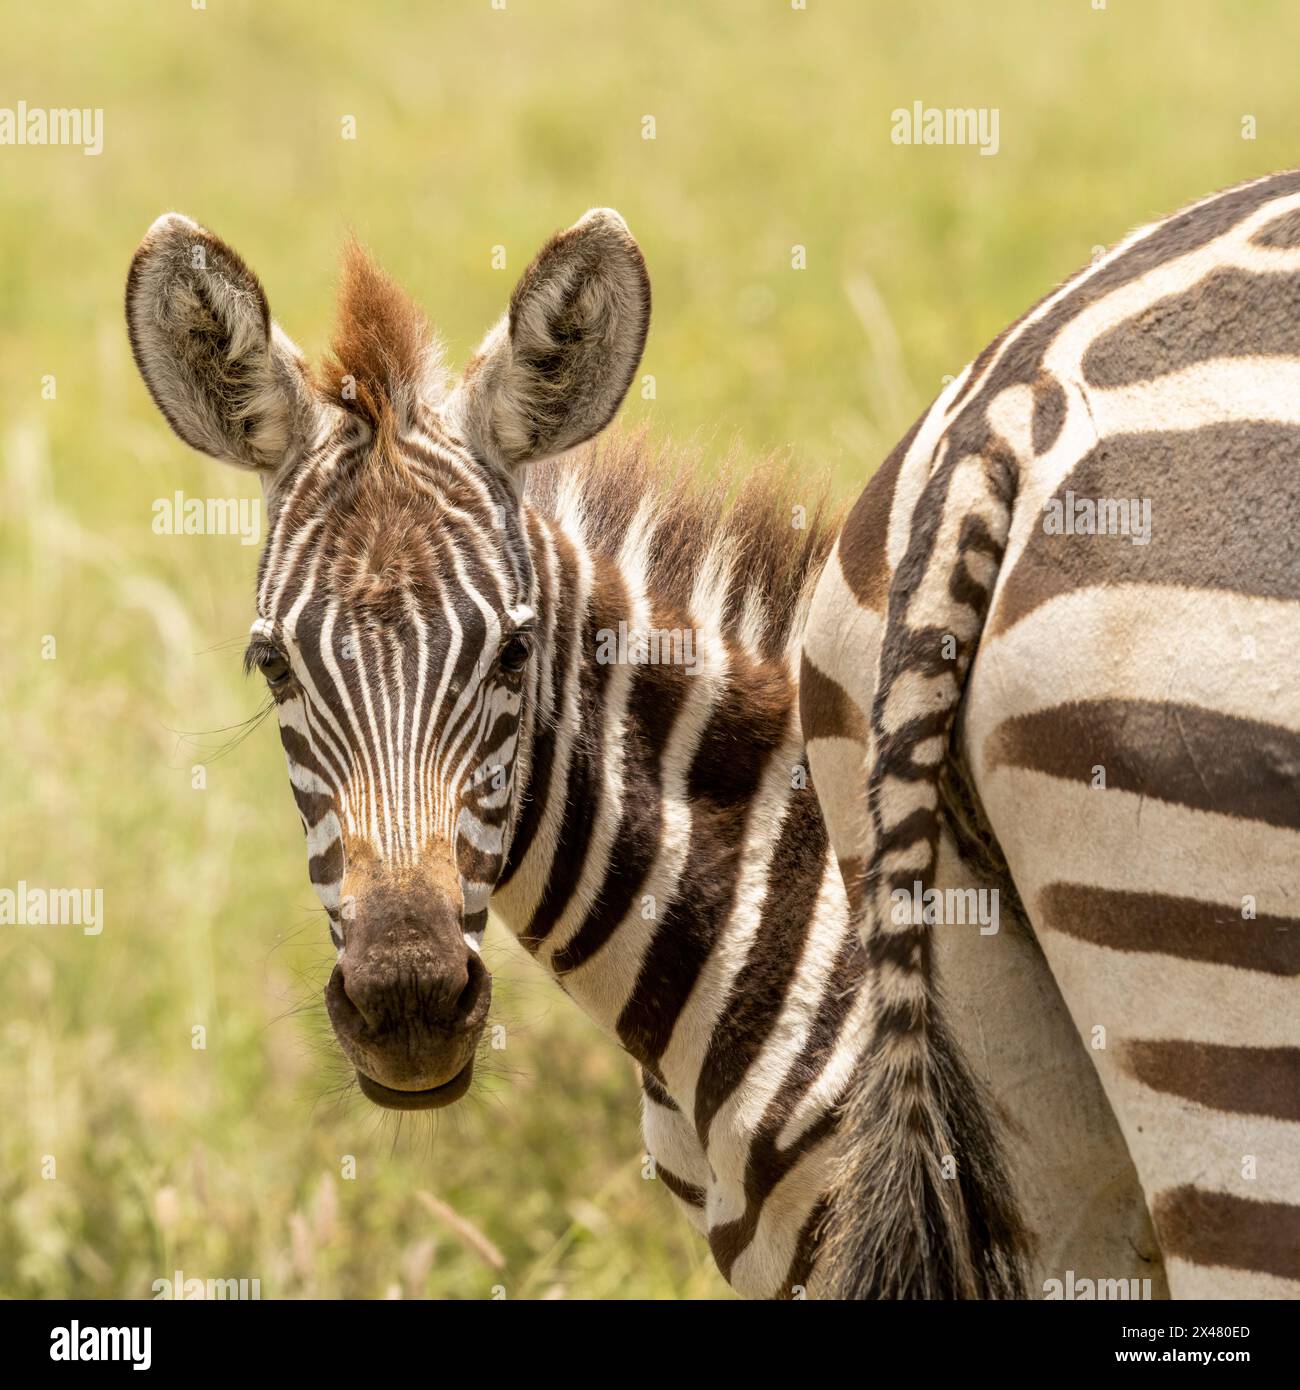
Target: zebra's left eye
<point>514,655</point>
<point>275,668</point>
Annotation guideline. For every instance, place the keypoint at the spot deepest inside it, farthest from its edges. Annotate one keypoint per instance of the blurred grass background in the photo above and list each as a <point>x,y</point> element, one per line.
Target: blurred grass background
<point>475,128</point>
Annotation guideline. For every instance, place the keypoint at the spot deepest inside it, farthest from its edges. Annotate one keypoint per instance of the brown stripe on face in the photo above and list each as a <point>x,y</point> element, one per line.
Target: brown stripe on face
<point>1229,313</point>
<point>322,762</point>
<point>474,864</point>
<point>327,866</point>
<point>825,708</point>
<point>1219,496</point>
<point>1240,1080</point>
<point>1182,754</point>
<point>862,544</point>
<point>1049,411</point>
<point>543,747</point>
<point>1215,1228</point>
<point>1281,232</point>
<point>312,806</point>
<point>1187,928</point>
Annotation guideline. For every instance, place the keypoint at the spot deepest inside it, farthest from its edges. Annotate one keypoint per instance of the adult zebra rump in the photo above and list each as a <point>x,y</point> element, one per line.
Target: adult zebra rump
<point>1063,620</point>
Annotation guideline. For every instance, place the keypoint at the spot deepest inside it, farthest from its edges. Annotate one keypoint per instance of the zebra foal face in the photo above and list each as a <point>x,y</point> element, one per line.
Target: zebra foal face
<point>397,658</point>
<point>398,621</point>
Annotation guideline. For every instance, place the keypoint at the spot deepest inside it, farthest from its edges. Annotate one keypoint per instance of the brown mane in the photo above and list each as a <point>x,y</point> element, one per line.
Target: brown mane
<point>383,347</point>
<point>753,508</point>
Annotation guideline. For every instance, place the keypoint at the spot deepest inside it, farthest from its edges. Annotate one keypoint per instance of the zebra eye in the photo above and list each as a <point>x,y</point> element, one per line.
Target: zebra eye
<point>275,668</point>
<point>514,655</point>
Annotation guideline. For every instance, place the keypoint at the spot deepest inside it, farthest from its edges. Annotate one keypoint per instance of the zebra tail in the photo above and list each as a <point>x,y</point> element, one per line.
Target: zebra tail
<point>923,1207</point>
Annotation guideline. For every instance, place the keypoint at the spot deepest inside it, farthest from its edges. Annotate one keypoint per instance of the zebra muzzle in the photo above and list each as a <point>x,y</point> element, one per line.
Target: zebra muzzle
<point>408,1000</point>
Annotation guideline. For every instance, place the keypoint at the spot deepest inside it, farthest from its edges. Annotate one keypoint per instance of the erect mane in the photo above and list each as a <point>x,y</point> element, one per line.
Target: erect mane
<point>383,352</point>
<point>770,530</point>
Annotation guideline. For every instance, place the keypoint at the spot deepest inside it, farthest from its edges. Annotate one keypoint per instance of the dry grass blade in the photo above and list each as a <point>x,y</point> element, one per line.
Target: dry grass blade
<point>465,1231</point>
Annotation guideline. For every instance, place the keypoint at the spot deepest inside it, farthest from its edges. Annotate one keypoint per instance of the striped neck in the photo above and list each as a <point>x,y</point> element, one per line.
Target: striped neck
<point>669,863</point>
<point>656,770</point>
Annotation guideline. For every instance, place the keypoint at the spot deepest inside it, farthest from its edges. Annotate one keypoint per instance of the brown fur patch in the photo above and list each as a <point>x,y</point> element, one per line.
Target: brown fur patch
<point>754,511</point>
<point>1224,1230</point>
<point>383,346</point>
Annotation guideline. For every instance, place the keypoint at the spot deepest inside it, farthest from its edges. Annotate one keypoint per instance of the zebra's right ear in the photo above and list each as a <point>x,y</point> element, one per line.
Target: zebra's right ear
<point>224,375</point>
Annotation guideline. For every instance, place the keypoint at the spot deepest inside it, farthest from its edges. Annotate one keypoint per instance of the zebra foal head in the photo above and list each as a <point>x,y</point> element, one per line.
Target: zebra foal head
<point>397,625</point>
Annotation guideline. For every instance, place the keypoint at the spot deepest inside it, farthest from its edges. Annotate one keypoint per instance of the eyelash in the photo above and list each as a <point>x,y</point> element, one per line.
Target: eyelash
<point>260,655</point>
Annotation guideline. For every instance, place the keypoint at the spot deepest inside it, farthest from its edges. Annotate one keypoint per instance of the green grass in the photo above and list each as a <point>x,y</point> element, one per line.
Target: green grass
<point>476,128</point>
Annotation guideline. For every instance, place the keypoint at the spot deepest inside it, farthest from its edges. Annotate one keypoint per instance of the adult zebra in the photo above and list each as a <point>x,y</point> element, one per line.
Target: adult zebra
<point>434,644</point>
<point>1086,554</point>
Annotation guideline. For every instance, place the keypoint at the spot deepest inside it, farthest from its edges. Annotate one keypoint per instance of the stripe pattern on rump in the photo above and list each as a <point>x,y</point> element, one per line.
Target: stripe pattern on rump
<point>1139,689</point>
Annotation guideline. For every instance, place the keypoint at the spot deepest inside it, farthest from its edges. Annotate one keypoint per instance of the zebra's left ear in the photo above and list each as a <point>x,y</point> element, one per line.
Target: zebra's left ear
<point>552,373</point>
<point>225,376</point>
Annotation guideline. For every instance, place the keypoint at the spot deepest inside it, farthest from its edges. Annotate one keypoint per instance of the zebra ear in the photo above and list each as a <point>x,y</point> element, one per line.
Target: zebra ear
<point>552,373</point>
<point>226,378</point>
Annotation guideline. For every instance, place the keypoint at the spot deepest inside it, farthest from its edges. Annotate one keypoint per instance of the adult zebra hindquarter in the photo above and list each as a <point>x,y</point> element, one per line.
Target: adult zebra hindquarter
<point>1061,631</point>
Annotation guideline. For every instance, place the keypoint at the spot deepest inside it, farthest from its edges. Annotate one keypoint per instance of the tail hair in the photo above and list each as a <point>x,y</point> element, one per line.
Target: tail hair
<point>923,1206</point>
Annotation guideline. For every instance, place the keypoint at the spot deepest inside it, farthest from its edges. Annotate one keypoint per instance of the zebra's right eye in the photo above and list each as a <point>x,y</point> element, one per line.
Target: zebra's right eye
<point>275,668</point>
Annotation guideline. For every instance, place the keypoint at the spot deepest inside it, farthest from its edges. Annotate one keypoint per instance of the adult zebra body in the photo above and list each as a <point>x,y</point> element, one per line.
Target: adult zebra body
<point>1086,554</point>
<point>433,632</point>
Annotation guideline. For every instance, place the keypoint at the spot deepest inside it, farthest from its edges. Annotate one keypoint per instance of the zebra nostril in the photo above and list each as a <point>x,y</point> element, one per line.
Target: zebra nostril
<point>346,1006</point>
<point>470,997</point>
<point>444,990</point>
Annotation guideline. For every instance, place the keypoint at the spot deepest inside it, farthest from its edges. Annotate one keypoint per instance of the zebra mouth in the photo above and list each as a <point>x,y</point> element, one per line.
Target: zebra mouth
<point>432,1099</point>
